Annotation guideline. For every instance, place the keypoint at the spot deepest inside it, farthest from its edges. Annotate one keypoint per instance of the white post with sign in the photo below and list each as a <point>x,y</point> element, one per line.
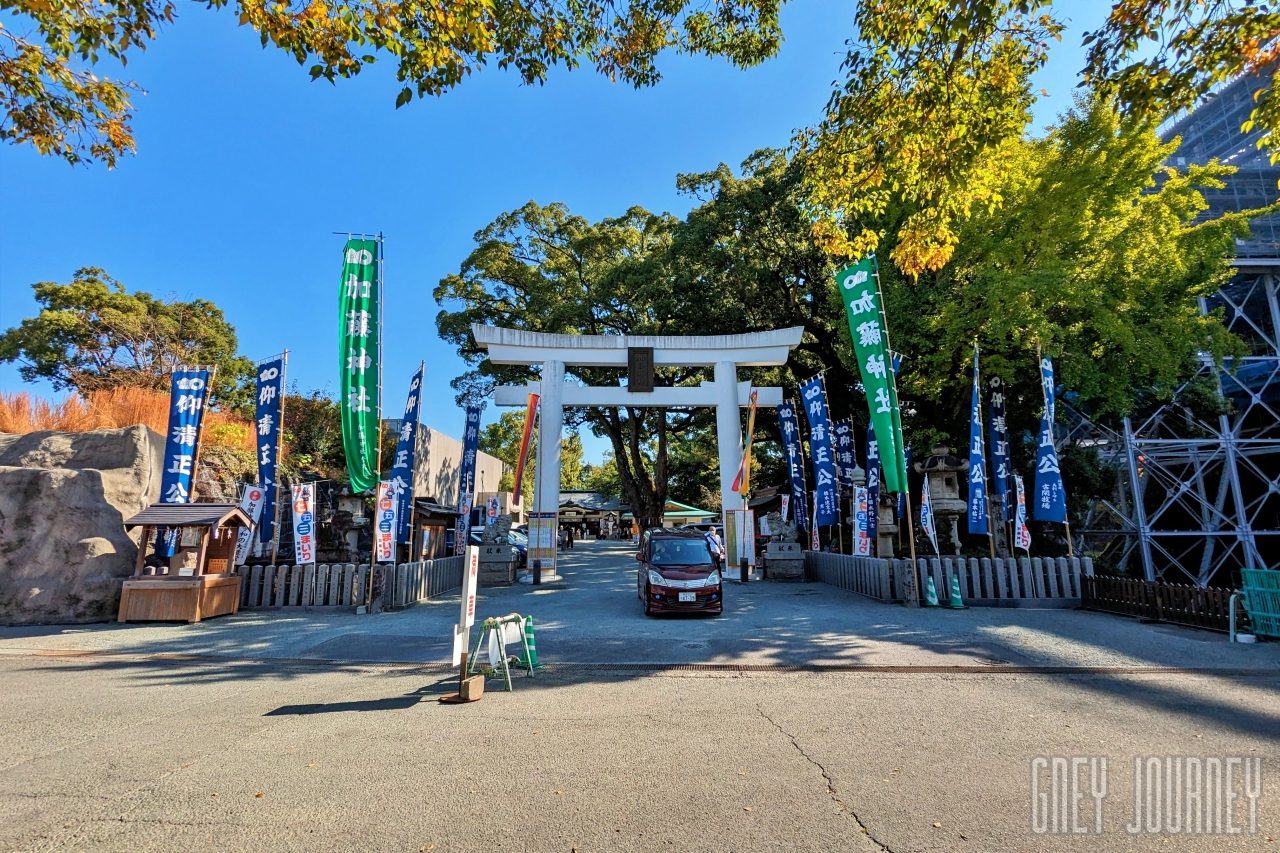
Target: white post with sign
<point>461,633</point>
<point>469,689</point>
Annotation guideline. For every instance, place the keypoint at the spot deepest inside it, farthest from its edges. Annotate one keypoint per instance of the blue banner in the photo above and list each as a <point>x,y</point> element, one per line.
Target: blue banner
<point>827,508</point>
<point>1050,496</point>
<point>902,496</point>
<point>846,461</point>
<point>977,458</point>
<point>467,476</point>
<point>189,388</point>
<point>401,476</point>
<point>873,486</point>
<point>1000,472</point>
<point>267,409</point>
<point>790,428</point>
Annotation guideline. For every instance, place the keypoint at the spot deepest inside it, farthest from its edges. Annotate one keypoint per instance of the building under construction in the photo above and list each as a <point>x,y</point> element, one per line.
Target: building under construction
<point>1199,497</point>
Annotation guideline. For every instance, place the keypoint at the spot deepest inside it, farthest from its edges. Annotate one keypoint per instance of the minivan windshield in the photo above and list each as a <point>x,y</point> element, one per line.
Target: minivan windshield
<point>679,552</point>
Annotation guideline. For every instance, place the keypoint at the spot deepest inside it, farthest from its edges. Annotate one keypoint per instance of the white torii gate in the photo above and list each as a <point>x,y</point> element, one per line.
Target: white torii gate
<point>726,353</point>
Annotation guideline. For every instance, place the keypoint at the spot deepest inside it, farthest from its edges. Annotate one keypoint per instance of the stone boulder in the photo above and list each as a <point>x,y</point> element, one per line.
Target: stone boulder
<point>64,497</point>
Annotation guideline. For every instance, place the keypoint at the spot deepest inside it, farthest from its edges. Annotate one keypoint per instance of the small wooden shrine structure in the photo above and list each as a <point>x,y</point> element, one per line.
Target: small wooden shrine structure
<point>200,580</point>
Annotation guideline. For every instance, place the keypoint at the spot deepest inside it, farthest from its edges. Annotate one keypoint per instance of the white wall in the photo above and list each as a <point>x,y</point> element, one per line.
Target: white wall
<point>438,461</point>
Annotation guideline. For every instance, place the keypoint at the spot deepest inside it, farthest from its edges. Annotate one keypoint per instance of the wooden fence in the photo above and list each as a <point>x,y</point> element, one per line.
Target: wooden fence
<point>1158,601</point>
<point>863,575</point>
<point>1038,581</point>
<point>338,585</point>
<point>410,583</point>
<point>348,585</point>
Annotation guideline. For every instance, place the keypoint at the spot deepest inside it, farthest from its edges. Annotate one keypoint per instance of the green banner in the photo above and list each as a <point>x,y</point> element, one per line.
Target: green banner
<point>358,353</point>
<point>861,294</point>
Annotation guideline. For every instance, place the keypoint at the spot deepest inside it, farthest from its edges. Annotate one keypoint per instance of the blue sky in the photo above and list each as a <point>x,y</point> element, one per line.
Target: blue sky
<point>245,167</point>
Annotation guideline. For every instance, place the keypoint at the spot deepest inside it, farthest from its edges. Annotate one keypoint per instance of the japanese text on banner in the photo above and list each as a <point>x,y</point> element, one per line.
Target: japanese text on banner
<point>267,413</point>
<point>858,289</point>
<point>304,523</point>
<point>814,399</point>
<point>358,328</point>
<point>189,389</point>
<point>790,428</point>
<point>400,478</point>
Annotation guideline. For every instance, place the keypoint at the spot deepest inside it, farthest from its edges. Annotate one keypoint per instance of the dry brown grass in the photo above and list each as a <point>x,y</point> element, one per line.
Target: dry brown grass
<point>119,407</point>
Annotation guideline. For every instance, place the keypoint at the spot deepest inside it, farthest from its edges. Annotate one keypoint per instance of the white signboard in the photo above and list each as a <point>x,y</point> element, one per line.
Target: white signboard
<point>304,523</point>
<point>470,574</point>
<point>739,536</point>
<point>251,502</point>
<point>384,532</point>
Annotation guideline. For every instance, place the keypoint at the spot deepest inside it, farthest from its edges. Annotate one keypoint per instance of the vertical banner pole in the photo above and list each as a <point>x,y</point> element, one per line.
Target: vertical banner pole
<point>275,526</point>
<point>1066,519</point>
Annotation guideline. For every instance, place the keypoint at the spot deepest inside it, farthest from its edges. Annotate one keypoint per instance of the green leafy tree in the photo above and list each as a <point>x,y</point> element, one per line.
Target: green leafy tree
<point>543,269</point>
<point>932,88</point>
<point>312,434</point>
<point>502,440</point>
<point>52,97</point>
<point>603,478</point>
<point>1096,256</point>
<point>92,334</point>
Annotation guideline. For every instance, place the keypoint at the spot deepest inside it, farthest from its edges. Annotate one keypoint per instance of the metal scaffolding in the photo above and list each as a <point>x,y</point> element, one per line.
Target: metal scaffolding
<point>1198,499</point>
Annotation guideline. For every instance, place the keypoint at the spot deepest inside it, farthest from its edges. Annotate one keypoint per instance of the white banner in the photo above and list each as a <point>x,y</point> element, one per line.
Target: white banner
<point>384,532</point>
<point>1021,535</point>
<point>304,523</point>
<point>862,531</point>
<point>251,502</point>
<point>491,511</point>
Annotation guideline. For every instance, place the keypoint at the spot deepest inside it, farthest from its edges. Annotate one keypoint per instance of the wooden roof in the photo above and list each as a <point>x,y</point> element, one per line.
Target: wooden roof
<point>189,515</point>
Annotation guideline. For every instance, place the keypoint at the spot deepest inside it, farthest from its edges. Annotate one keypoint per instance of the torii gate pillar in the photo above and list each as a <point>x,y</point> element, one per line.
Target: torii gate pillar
<point>724,353</point>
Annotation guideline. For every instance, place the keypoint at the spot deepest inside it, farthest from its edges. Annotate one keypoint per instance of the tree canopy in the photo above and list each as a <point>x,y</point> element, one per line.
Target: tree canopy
<point>502,440</point>
<point>1097,255</point>
<point>54,97</point>
<point>92,334</point>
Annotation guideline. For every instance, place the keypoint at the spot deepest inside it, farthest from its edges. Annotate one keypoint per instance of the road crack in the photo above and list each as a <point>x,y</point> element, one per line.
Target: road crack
<point>830,782</point>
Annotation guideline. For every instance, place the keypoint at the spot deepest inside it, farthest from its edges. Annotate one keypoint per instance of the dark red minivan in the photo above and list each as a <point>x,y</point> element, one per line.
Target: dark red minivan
<point>678,574</point>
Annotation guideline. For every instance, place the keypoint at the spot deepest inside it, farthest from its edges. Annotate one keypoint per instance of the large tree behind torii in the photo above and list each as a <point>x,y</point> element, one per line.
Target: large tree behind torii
<point>543,269</point>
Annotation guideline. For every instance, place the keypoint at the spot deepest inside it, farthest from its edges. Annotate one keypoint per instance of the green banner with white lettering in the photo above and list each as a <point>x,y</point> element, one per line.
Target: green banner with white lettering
<point>859,288</point>
<point>358,366</point>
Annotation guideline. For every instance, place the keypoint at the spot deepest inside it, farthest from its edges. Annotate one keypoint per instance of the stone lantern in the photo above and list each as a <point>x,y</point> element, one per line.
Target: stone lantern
<point>886,524</point>
<point>945,471</point>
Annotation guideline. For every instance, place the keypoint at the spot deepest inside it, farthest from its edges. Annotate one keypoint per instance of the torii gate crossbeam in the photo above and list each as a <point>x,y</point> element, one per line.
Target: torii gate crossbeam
<point>724,353</point>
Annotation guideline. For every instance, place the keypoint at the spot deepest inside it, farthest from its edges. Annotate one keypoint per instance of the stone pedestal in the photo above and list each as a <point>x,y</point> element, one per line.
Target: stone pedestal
<point>497,565</point>
<point>783,561</point>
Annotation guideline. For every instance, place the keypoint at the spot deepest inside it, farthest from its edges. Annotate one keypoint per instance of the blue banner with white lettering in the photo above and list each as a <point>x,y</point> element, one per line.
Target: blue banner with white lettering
<point>189,388</point>
<point>790,428</point>
<point>977,458</point>
<point>466,488</point>
<point>999,431</point>
<point>401,476</point>
<point>842,431</point>
<point>814,397</point>
<point>267,408</point>
<point>873,485</point>
<point>1050,496</point>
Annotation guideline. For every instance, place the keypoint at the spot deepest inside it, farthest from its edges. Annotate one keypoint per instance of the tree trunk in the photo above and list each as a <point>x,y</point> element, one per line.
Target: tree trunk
<point>646,495</point>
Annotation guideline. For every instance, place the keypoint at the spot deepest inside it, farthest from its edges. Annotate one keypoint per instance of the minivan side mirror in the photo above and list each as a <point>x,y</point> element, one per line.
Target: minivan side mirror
<point>640,557</point>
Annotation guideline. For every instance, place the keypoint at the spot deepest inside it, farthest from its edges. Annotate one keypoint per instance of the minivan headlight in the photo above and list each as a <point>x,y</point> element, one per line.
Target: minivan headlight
<point>656,579</point>
<point>713,579</point>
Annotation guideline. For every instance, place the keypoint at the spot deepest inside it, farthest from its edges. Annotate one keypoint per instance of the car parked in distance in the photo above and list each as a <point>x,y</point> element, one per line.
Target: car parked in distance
<point>677,573</point>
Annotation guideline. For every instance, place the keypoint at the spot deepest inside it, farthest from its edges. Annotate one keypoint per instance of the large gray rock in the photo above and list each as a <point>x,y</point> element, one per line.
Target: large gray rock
<point>63,499</point>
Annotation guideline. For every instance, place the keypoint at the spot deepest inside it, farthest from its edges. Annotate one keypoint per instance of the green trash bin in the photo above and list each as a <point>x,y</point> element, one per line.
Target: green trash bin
<point>1262,600</point>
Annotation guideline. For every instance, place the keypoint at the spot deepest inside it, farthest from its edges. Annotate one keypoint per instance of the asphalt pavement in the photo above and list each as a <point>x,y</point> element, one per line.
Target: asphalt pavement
<point>321,731</point>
